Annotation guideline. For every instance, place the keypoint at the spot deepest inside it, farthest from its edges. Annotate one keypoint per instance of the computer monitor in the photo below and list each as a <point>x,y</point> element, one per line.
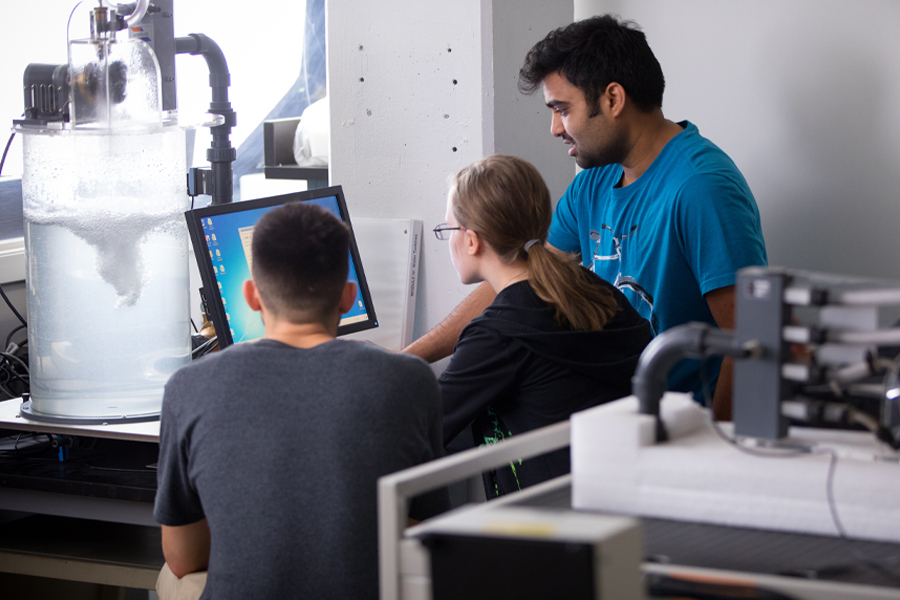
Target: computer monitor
<point>222,235</point>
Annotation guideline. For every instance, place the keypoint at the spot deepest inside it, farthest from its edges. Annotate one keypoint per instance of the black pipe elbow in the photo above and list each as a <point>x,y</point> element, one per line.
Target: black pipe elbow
<point>221,154</point>
<point>199,43</point>
<point>692,340</point>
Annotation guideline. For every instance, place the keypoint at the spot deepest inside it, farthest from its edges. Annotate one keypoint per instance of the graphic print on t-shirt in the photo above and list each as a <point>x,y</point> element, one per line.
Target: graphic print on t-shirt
<point>640,298</point>
<point>492,421</point>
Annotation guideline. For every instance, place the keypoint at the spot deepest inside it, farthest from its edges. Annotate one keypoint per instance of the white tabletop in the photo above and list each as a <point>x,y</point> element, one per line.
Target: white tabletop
<point>11,418</point>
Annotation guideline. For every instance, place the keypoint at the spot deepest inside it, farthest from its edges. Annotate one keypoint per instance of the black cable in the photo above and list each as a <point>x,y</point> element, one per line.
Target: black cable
<point>773,453</point>
<point>11,307</point>
<point>12,333</point>
<point>2,293</point>
<point>20,376</point>
<point>9,374</point>
<point>8,392</point>
<point>201,348</point>
<point>6,151</point>
<point>213,345</point>
<point>9,356</point>
<point>205,348</point>
<point>25,443</point>
<point>194,325</point>
<point>24,380</point>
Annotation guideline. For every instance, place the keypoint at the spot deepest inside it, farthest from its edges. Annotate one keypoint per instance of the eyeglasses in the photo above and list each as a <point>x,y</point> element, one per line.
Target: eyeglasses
<point>442,231</point>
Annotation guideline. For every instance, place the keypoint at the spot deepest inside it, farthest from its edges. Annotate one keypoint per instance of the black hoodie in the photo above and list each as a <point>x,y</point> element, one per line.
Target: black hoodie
<point>515,368</point>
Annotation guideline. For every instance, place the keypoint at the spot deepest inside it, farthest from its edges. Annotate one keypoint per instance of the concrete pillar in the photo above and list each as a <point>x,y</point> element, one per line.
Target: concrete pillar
<point>420,89</point>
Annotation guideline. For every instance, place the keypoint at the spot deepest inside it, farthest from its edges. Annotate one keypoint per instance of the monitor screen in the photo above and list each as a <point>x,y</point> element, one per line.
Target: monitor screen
<point>222,236</point>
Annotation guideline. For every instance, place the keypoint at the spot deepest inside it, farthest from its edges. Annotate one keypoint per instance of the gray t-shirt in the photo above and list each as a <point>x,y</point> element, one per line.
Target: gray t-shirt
<point>279,448</point>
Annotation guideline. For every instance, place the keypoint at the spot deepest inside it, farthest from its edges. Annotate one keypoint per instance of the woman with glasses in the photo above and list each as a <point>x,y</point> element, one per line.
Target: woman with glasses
<point>556,340</point>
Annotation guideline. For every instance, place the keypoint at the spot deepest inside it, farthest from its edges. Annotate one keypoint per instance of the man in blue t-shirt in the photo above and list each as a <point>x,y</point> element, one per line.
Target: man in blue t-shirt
<point>658,210</point>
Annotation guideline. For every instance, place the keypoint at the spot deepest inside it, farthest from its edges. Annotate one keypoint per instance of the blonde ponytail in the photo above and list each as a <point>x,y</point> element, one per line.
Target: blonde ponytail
<point>565,285</point>
<point>505,200</point>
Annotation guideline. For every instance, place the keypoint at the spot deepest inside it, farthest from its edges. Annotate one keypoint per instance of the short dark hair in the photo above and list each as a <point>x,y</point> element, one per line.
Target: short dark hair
<point>300,261</point>
<point>593,53</point>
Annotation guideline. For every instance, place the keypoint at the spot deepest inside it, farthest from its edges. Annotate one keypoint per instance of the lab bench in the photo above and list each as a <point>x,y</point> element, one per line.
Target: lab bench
<point>88,518</point>
<point>801,566</point>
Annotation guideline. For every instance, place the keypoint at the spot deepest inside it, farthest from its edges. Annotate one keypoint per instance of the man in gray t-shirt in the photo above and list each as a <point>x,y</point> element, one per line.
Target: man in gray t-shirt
<point>270,451</point>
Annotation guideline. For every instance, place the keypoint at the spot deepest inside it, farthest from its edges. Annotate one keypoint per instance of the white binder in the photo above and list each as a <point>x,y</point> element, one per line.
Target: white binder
<point>390,251</point>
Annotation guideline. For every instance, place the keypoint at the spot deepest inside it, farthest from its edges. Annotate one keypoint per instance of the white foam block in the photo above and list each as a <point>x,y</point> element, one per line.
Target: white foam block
<point>697,476</point>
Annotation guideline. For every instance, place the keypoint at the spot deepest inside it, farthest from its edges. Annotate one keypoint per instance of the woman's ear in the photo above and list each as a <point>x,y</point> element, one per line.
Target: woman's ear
<point>474,245</point>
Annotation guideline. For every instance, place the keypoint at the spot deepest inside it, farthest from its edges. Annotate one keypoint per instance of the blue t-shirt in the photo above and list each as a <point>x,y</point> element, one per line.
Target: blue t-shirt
<point>682,229</point>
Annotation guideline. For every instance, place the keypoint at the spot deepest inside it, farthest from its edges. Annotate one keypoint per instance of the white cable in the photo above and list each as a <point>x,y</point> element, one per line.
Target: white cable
<point>879,337</point>
<point>140,10</point>
<point>867,297</point>
<point>853,372</point>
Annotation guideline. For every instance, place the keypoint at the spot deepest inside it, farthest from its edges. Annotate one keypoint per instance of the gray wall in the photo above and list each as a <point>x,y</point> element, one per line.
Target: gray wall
<point>804,96</point>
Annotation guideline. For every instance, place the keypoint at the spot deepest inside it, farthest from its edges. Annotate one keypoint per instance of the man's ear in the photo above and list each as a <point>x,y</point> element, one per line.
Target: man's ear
<point>251,295</point>
<point>614,99</point>
<point>348,297</point>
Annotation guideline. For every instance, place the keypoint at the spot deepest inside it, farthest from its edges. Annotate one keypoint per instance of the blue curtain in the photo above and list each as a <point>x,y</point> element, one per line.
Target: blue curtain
<point>309,87</point>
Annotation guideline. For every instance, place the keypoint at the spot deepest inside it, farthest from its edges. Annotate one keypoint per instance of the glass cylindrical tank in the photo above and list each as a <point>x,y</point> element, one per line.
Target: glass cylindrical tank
<point>107,273</point>
<point>106,242</point>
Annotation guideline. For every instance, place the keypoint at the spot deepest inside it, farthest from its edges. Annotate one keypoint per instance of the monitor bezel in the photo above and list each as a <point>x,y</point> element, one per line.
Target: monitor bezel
<point>211,296</point>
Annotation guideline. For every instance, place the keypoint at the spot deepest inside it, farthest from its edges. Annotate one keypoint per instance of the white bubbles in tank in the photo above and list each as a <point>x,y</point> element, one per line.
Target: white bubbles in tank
<point>118,240</point>
<point>112,190</point>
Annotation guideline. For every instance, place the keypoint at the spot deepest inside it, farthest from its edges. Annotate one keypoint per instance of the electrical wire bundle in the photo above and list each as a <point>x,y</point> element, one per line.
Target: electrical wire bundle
<point>14,358</point>
<point>25,444</point>
<point>13,374</point>
<point>847,400</point>
<point>32,444</point>
<point>14,367</point>
<point>204,347</point>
